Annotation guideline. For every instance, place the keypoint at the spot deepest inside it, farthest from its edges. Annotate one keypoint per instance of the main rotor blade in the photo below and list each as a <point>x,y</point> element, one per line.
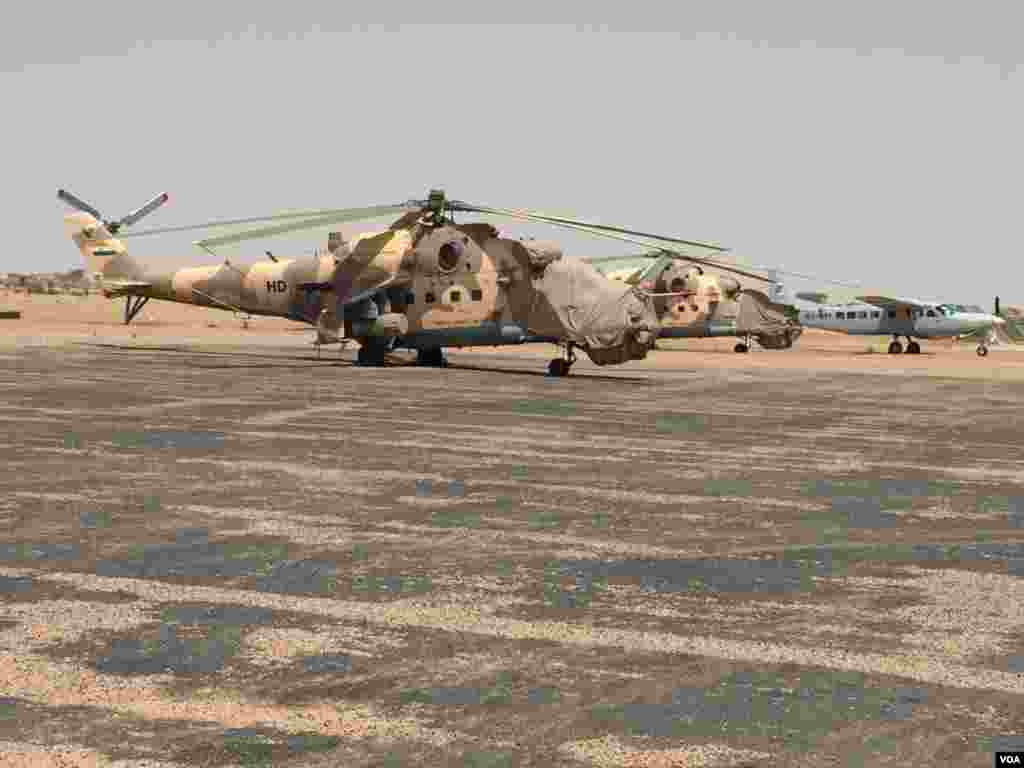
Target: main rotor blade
<point>145,210</point>
<point>526,216</point>
<point>628,257</point>
<point>373,211</point>
<point>338,216</point>
<point>589,225</point>
<point>358,213</point>
<point>76,202</point>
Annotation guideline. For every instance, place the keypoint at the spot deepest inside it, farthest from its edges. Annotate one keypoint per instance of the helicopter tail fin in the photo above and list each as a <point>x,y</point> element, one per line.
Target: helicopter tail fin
<point>105,256</point>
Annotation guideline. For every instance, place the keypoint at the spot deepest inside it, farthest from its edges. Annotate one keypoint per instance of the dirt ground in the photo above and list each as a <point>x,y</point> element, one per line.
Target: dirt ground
<point>216,549</point>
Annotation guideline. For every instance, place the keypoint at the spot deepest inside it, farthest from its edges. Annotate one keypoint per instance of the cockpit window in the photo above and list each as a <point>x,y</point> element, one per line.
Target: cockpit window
<point>931,313</point>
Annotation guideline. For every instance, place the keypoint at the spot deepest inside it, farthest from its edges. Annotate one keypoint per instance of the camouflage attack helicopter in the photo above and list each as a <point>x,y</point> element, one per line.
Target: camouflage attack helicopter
<point>425,283</point>
<point>696,303</point>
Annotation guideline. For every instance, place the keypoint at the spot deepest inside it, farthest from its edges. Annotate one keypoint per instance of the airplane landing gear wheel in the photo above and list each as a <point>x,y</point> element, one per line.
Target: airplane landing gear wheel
<point>914,348</point>
<point>558,367</point>
<point>895,348</point>
<point>982,350</point>
<point>741,348</point>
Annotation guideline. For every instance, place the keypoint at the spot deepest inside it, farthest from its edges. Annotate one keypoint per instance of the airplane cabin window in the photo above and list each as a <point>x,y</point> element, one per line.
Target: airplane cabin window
<point>862,315</point>
<point>456,296</point>
<point>429,298</point>
<point>476,294</point>
<point>892,314</point>
<point>876,314</point>
<point>840,315</point>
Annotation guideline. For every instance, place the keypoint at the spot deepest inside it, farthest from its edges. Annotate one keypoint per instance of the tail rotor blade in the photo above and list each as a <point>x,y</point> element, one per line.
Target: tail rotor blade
<point>76,202</point>
<point>145,210</point>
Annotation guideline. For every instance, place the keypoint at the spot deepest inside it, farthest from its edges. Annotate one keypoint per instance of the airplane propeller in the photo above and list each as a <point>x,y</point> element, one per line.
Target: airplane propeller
<point>113,226</point>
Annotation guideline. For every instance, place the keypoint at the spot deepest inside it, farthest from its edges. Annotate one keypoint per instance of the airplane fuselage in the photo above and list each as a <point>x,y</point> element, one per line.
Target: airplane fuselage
<point>933,322</point>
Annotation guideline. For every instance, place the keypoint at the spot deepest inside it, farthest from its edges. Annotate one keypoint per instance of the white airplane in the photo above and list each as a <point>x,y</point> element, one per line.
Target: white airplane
<point>910,318</point>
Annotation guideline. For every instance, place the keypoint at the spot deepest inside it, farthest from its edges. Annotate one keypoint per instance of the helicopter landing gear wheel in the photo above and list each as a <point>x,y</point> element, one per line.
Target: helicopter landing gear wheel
<point>560,365</point>
<point>895,348</point>
<point>371,354</point>
<point>913,348</point>
<point>433,358</point>
<point>982,350</point>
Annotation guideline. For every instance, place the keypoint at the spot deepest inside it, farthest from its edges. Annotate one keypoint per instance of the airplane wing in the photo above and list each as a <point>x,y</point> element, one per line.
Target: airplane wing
<point>815,296</point>
<point>892,302</point>
<point>114,288</point>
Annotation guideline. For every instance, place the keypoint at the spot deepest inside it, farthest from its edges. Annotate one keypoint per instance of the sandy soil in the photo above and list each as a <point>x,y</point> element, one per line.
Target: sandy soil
<point>216,549</point>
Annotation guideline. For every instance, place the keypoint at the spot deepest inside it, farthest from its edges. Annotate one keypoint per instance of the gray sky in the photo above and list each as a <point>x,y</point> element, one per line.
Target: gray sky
<point>878,142</point>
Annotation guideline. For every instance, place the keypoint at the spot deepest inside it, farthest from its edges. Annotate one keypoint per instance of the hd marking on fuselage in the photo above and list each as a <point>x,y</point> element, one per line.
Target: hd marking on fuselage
<point>276,286</point>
